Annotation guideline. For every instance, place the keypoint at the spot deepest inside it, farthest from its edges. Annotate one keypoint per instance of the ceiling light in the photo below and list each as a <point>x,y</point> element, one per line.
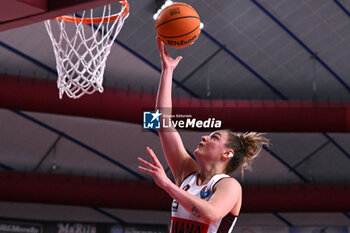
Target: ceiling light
<point>166,3</point>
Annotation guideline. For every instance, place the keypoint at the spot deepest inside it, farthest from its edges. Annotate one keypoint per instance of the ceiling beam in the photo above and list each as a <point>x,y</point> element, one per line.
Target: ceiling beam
<point>116,193</point>
<point>303,45</point>
<point>81,144</point>
<point>246,66</point>
<point>39,95</point>
<point>342,7</point>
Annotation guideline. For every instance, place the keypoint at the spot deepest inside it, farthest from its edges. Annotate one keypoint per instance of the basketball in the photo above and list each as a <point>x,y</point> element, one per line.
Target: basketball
<point>178,25</point>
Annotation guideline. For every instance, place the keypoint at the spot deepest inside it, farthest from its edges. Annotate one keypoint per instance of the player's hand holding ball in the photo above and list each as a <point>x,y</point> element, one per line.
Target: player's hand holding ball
<point>167,61</point>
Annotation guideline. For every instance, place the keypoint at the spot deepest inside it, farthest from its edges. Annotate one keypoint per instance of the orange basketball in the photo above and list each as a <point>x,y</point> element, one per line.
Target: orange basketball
<point>178,25</point>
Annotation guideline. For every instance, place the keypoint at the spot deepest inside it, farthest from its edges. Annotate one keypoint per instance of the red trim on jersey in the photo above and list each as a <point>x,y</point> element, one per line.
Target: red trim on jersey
<point>179,225</point>
<point>197,180</point>
<point>203,184</point>
<point>226,223</point>
<point>187,177</point>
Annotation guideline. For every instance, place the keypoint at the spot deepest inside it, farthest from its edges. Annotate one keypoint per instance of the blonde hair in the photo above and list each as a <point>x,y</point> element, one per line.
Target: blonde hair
<point>246,147</point>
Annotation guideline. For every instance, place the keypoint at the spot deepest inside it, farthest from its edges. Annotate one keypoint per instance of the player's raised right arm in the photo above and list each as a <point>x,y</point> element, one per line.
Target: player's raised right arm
<point>180,162</point>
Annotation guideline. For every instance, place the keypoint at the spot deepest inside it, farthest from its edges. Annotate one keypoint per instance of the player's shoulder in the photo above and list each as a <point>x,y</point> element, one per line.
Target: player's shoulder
<point>227,182</point>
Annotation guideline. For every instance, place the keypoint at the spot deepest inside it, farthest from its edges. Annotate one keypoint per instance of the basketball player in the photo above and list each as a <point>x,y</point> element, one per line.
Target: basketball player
<point>206,198</point>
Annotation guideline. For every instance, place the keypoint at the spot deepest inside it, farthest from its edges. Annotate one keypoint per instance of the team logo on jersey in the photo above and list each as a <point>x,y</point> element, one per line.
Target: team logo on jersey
<point>205,192</point>
<point>174,206</point>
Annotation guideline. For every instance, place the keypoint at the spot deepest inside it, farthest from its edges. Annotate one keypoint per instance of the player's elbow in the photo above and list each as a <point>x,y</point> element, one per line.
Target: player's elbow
<point>211,217</point>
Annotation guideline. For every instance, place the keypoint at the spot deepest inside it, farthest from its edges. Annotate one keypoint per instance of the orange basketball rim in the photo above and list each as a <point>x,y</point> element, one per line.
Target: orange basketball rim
<point>97,20</point>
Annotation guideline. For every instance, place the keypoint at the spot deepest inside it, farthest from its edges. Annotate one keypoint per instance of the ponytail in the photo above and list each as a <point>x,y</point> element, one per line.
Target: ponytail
<point>246,148</point>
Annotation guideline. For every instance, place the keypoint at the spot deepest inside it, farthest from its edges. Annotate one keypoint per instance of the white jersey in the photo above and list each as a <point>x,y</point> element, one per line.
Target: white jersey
<point>183,221</point>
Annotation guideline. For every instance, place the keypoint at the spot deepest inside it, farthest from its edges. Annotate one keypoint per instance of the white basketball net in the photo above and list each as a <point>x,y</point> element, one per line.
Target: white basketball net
<point>81,57</point>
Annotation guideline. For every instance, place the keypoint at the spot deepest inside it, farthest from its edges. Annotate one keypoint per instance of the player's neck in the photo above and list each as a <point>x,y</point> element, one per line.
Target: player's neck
<point>205,175</point>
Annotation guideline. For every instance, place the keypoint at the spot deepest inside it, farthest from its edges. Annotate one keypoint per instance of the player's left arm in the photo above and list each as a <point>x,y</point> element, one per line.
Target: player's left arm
<point>220,204</point>
<point>226,195</point>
